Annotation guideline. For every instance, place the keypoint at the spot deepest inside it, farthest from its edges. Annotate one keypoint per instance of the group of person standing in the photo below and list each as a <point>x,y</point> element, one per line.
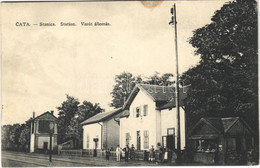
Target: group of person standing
<point>165,155</point>
<point>125,153</point>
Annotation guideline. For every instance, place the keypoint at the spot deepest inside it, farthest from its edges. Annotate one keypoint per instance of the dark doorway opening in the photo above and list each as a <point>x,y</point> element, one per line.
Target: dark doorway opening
<point>138,140</point>
<point>45,147</point>
<point>170,142</point>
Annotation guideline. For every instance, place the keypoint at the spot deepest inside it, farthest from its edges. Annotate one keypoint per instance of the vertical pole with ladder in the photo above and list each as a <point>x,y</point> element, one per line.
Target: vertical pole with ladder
<point>174,23</point>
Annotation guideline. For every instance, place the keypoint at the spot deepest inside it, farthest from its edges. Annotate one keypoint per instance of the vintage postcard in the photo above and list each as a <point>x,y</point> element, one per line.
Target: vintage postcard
<point>129,83</point>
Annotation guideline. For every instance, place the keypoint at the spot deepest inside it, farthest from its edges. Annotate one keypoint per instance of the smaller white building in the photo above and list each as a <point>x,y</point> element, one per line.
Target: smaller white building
<point>149,118</point>
<point>101,131</point>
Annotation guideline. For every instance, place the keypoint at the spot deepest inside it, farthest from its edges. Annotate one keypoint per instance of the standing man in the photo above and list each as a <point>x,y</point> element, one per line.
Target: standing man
<point>118,153</point>
<point>132,152</point>
<point>151,154</point>
<point>126,153</point>
<point>107,154</point>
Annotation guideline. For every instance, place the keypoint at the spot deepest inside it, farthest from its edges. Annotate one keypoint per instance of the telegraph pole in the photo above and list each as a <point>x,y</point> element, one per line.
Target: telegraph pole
<point>51,126</point>
<point>174,23</point>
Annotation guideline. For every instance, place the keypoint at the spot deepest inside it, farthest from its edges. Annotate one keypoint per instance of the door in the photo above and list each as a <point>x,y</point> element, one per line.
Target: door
<point>170,138</point>
<point>170,142</point>
<point>138,140</point>
<point>45,146</point>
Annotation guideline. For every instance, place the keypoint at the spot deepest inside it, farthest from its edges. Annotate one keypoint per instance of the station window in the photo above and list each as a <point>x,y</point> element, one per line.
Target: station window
<point>87,141</point>
<point>170,131</point>
<point>137,112</point>
<point>145,110</point>
<point>164,141</point>
<point>146,139</point>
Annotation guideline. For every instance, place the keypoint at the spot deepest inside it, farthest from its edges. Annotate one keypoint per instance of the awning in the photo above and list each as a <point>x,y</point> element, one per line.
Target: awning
<point>204,137</point>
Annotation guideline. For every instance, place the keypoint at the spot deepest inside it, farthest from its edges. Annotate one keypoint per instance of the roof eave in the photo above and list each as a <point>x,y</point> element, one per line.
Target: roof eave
<point>93,122</point>
<point>44,114</point>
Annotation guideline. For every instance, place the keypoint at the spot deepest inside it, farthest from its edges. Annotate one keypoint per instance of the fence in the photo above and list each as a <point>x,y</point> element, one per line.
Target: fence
<point>74,152</point>
<point>138,155</point>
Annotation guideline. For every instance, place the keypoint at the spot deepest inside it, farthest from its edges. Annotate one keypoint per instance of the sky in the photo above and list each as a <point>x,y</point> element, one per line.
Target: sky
<point>40,64</point>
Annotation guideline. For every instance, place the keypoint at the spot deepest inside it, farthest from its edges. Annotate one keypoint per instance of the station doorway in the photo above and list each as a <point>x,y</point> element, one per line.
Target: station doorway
<point>168,141</point>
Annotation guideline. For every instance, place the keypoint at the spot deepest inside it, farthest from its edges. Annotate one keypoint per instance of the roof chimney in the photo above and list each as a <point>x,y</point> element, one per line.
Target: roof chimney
<point>33,114</point>
<point>52,112</point>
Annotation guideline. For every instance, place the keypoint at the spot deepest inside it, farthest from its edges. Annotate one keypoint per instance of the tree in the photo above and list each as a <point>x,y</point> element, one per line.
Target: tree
<point>85,111</point>
<point>125,82</point>
<point>71,114</point>
<point>5,136</point>
<point>24,138</point>
<point>16,136</point>
<point>225,83</point>
<point>157,79</point>
<point>67,111</point>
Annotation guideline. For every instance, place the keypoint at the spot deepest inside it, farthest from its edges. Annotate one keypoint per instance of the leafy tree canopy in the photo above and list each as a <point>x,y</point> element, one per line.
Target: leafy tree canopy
<point>71,114</point>
<point>225,82</point>
<point>125,82</point>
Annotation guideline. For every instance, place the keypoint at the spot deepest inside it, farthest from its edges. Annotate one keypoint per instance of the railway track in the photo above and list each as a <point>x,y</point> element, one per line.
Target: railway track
<point>43,160</point>
<point>23,161</point>
<point>38,159</point>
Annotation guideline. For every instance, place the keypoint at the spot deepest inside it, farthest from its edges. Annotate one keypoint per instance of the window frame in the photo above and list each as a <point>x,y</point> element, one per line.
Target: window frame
<point>145,110</point>
<point>146,139</point>
<point>139,113</point>
<point>87,141</point>
<point>168,130</point>
<point>164,138</point>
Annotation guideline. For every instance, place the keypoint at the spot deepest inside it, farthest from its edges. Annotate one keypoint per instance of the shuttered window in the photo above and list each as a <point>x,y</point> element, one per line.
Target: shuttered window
<point>88,141</point>
<point>145,111</point>
<point>146,139</point>
<point>137,112</point>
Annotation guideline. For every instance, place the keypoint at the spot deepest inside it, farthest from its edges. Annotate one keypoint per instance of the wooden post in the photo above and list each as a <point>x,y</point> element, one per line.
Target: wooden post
<point>177,87</point>
<point>50,156</point>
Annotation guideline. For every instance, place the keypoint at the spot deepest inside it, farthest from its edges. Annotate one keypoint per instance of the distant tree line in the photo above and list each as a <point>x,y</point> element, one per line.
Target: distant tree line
<point>16,136</point>
<point>71,114</point>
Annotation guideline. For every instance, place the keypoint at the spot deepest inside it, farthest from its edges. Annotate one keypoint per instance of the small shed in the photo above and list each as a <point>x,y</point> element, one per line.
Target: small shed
<point>221,140</point>
<point>40,132</point>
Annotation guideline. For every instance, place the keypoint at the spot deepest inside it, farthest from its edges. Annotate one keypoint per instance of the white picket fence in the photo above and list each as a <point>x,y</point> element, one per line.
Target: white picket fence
<point>139,155</point>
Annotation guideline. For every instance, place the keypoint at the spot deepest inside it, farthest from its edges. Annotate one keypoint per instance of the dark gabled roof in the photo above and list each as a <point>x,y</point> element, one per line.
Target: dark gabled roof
<point>222,125</point>
<point>164,94</point>
<point>101,116</point>
<point>43,115</point>
<point>158,93</point>
<point>124,113</point>
<point>172,102</point>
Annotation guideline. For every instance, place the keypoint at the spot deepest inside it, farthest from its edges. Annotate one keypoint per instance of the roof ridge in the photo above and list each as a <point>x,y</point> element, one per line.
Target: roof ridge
<point>225,118</point>
<point>106,115</point>
<point>222,118</point>
<point>155,85</point>
<point>47,112</point>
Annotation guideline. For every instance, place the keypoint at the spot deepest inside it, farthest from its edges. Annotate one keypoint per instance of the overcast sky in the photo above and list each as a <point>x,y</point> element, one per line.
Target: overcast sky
<point>42,64</point>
